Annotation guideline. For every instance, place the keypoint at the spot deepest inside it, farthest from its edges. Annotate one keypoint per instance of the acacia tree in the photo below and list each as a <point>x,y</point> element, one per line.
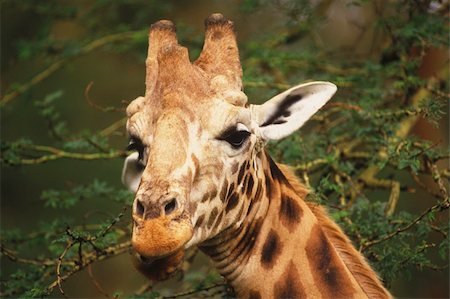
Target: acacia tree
<point>359,155</point>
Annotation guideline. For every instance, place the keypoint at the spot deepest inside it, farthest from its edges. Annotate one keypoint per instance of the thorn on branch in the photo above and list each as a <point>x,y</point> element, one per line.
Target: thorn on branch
<point>95,105</point>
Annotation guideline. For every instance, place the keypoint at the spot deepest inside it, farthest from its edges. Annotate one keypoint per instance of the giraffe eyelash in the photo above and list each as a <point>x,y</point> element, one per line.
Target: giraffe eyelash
<point>235,136</point>
<point>136,144</point>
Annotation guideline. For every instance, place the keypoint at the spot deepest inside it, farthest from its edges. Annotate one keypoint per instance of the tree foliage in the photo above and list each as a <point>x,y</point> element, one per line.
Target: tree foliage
<point>358,154</point>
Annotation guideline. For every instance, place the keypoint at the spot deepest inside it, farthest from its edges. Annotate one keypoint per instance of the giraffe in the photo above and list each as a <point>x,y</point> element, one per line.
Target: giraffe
<point>202,177</point>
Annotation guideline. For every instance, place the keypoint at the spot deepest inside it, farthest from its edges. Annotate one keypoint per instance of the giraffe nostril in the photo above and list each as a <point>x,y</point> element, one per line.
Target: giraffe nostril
<point>139,208</point>
<point>170,206</point>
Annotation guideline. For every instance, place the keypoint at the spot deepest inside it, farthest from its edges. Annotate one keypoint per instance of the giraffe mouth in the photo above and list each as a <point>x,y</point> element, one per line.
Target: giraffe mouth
<point>147,260</point>
<point>159,268</point>
<point>159,245</point>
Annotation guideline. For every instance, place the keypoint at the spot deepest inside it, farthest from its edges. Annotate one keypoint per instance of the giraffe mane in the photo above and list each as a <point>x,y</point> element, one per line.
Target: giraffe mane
<point>355,262</point>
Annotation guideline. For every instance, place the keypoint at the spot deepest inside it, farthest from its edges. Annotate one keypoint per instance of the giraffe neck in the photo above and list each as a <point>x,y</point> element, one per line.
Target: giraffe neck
<point>281,249</point>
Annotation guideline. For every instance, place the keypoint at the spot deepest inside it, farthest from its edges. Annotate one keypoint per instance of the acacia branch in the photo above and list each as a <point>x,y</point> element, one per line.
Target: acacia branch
<point>368,176</point>
<point>311,165</point>
<point>58,268</point>
<point>89,259</point>
<point>37,262</point>
<point>369,179</point>
<point>56,153</point>
<point>441,206</point>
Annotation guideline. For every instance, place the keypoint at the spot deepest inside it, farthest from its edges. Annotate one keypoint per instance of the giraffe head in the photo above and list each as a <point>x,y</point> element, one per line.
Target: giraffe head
<point>194,136</point>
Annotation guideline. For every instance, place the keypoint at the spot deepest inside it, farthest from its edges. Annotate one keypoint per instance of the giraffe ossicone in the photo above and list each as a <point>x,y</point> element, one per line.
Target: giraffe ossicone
<point>202,178</point>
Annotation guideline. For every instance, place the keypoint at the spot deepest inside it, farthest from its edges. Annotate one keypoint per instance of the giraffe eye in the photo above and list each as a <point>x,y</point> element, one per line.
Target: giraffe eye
<point>235,138</point>
<point>136,145</point>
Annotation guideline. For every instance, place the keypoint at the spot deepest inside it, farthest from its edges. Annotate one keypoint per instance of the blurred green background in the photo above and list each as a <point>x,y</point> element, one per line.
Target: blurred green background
<point>38,34</point>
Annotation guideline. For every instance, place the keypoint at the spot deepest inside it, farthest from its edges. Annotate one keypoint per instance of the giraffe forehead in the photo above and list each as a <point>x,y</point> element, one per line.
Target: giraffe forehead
<point>212,114</point>
<point>198,95</point>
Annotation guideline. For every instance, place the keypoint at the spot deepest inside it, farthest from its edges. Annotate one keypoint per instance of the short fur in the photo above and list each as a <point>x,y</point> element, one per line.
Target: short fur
<point>355,262</point>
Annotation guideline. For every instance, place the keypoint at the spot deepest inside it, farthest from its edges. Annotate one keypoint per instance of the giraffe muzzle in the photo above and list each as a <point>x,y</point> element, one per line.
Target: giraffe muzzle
<point>160,230</point>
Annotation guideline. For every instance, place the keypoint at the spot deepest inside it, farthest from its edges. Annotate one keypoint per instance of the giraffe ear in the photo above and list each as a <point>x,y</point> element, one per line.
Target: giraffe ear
<point>285,113</point>
<point>132,172</point>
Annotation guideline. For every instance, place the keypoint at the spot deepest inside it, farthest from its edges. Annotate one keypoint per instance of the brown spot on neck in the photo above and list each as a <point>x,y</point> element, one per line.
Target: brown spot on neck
<point>290,212</point>
<point>254,295</point>
<point>289,284</point>
<point>327,269</point>
<point>271,250</point>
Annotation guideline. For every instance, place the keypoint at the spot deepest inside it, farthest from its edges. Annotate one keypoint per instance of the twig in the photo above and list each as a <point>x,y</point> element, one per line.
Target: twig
<point>40,234</point>
<point>424,186</point>
<point>309,166</point>
<point>441,206</point>
<point>118,37</point>
<point>306,179</point>
<point>58,268</point>
<point>368,177</point>
<point>192,292</point>
<point>96,283</point>
<point>96,106</point>
<point>44,262</point>
<point>436,175</point>
<point>342,200</point>
<point>59,154</point>
<point>439,230</point>
<point>354,191</point>
<point>89,259</point>
<point>113,127</point>
<point>110,226</point>
<point>147,287</point>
